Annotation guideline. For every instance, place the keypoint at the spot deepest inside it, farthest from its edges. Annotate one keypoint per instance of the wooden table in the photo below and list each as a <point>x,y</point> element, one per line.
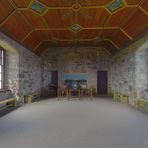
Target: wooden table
<point>70,94</point>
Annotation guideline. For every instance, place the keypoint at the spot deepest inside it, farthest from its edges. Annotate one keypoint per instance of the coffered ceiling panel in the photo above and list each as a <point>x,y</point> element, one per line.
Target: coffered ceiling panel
<point>93,2</point>
<point>63,35</point>
<point>89,34</point>
<point>41,24</point>
<point>32,40</point>
<point>67,43</point>
<point>144,5</point>
<point>22,3</point>
<point>133,2</point>
<point>5,10</point>
<point>116,19</point>
<point>16,26</point>
<point>35,37</point>
<point>120,38</point>
<point>57,2</point>
<point>108,45</point>
<point>43,46</point>
<point>34,19</point>
<point>45,34</point>
<point>59,18</point>
<point>88,43</point>
<point>92,17</point>
<point>137,24</point>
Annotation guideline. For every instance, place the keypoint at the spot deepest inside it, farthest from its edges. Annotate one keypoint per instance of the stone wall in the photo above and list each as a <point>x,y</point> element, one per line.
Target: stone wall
<point>46,74</point>
<point>25,72</point>
<point>75,60</point>
<point>142,70</point>
<point>123,73</point>
<point>29,72</point>
<point>12,71</point>
<point>22,68</point>
<point>129,70</point>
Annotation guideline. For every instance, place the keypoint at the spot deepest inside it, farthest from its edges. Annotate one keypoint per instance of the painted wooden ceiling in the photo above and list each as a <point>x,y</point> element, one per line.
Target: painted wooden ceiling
<point>39,24</point>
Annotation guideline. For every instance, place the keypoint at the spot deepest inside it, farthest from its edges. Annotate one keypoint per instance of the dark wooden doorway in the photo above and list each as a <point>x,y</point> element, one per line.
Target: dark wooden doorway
<point>54,81</point>
<point>102,82</point>
<point>54,78</point>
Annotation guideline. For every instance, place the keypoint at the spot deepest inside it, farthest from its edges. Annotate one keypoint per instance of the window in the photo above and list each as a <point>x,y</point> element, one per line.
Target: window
<point>1,68</point>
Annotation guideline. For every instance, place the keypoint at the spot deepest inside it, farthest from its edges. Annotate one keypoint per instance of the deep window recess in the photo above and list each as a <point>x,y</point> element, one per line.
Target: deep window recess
<point>1,69</point>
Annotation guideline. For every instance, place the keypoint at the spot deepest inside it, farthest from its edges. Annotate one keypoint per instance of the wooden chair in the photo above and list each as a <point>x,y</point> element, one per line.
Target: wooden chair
<point>62,93</point>
<point>87,93</point>
<point>31,97</point>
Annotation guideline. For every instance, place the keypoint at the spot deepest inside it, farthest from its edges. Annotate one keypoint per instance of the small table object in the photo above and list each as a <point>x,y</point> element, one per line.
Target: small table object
<point>72,93</point>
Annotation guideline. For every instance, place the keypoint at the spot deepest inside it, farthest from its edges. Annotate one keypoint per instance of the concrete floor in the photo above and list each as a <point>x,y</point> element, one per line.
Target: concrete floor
<point>101,123</point>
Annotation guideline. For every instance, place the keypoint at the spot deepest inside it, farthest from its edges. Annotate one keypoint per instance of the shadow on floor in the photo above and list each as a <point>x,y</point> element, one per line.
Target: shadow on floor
<point>142,110</point>
<point>7,110</point>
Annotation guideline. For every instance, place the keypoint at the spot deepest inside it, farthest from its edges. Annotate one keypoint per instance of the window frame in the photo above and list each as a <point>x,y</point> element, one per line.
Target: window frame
<point>2,64</point>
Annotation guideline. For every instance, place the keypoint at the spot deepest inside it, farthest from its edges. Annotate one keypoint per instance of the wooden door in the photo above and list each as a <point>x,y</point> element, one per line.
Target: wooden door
<point>54,78</point>
<point>54,81</point>
<point>102,82</point>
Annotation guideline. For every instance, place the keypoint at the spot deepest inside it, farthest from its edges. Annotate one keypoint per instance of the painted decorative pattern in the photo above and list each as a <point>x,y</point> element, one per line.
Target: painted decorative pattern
<point>39,8</point>
<point>75,28</point>
<point>115,5</point>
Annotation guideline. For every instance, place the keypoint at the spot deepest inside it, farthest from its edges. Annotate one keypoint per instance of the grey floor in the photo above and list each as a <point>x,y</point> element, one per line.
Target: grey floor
<point>101,123</point>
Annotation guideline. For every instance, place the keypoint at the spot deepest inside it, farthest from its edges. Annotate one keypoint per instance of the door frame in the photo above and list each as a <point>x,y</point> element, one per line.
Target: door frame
<point>107,92</point>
